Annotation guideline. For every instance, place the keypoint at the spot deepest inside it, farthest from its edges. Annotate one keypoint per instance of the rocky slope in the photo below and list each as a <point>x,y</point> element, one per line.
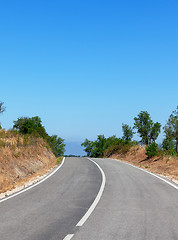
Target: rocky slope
<point>22,158</point>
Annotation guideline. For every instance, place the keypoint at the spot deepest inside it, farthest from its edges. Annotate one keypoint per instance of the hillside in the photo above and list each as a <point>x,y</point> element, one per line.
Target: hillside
<point>163,165</point>
<point>22,158</point>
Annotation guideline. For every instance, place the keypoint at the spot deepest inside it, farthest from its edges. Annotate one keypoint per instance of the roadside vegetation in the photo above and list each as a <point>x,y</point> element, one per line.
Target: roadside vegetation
<point>30,129</point>
<point>105,147</point>
<point>148,132</point>
<point>33,127</point>
<point>27,151</point>
<point>59,159</point>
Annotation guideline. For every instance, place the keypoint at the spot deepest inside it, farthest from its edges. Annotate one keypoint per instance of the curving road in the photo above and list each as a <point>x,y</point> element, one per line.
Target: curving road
<point>134,205</point>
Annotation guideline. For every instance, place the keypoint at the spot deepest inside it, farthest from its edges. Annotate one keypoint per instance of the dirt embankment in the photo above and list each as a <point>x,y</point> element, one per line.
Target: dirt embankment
<point>22,158</point>
<point>166,165</point>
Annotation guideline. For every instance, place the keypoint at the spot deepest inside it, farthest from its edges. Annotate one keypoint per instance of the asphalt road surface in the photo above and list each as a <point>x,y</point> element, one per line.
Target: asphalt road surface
<point>134,205</point>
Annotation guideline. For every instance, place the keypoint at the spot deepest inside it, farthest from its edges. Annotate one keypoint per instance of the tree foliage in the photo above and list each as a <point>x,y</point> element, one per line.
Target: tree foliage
<point>88,146</point>
<point>99,146</point>
<point>146,128</point>
<point>2,108</point>
<point>56,144</point>
<point>103,146</point>
<point>127,132</point>
<point>169,146</point>
<point>152,150</point>
<point>33,126</point>
<point>171,131</point>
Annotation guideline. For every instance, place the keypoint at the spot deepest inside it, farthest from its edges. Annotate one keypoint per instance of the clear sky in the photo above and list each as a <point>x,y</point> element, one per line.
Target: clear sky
<point>86,67</point>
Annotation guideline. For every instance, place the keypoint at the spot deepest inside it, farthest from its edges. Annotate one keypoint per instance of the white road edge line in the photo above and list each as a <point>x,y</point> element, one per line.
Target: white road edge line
<point>35,184</point>
<point>92,207</point>
<point>68,237</point>
<point>164,180</point>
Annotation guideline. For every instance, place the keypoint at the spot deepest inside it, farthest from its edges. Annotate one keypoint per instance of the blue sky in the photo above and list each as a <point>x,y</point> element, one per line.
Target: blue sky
<point>86,67</point>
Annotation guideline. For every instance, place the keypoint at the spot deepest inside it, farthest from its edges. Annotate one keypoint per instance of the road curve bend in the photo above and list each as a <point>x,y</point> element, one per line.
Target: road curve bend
<point>133,205</point>
<point>52,209</point>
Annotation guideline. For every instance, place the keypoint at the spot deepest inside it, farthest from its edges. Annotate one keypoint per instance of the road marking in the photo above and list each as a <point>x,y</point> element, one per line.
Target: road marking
<point>35,184</point>
<point>176,187</point>
<point>92,207</point>
<point>68,237</point>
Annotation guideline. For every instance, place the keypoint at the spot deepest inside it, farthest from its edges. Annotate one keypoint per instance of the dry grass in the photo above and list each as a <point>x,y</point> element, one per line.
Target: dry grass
<point>22,158</point>
<point>164,165</point>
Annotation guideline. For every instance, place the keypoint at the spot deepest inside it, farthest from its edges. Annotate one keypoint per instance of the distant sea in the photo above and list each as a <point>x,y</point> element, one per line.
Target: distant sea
<point>74,148</point>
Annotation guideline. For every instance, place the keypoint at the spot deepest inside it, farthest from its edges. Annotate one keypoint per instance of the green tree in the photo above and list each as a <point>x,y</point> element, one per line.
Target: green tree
<point>88,146</point>
<point>110,141</point>
<point>146,128</point>
<point>171,129</point>
<point>99,146</point>
<point>127,132</point>
<point>32,125</point>
<point>155,131</point>
<point>103,146</point>
<point>56,144</point>
<point>169,145</point>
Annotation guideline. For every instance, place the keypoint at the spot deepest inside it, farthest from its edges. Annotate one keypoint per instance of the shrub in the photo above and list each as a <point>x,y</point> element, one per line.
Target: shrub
<point>152,150</point>
<point>56,144</point>
<point>30,126</point>
<point>125,148</point>
<point>111,150</point>
<point>168,144</point>
<point>2,144</point>
<point>121,146</point>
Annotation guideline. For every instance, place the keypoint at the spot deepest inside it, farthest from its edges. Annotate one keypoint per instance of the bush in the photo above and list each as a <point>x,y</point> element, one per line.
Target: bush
<point>152,150</point>
<point>111,150</point>
<point>32,128</point>
<point>105,147</point>
<point>125,148</point>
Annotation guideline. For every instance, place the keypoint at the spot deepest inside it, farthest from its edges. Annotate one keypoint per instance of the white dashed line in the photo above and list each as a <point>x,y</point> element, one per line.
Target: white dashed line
<point>68,237</point>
